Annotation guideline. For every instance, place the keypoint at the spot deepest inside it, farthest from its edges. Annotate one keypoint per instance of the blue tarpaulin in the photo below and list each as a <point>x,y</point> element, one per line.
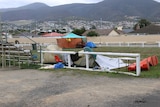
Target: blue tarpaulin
<point>59,65</point>
<point>90,44</point>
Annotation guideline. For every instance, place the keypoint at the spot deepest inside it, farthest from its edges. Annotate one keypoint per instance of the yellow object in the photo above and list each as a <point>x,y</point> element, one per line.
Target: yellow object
<point>68,39</point>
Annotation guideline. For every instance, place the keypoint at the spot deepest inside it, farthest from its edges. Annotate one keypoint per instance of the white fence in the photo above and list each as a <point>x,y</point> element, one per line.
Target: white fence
<point>127,44</point>
<point>105,44</point>
<point>29,44</point>
<point>125,56</point>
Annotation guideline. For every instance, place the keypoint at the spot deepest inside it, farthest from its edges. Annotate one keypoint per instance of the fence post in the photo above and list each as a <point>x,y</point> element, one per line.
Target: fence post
<point>120,44</point>
<point>158,44</point>
<point>128,44</point>
<point>41,57</point>
<point>69,60</point>
<point>138,70</point>
<point>106,43</point>
<point>87,61</point>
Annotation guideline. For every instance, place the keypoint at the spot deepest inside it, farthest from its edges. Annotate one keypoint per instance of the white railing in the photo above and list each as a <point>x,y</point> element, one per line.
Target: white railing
<point>106,44</point>
<point>127,44</point>
<point>125,56</point>
<point>30,44</point>
<point>23,44</point>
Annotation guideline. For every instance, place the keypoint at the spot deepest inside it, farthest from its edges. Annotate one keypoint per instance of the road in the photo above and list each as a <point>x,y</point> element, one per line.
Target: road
<point>35,88</point>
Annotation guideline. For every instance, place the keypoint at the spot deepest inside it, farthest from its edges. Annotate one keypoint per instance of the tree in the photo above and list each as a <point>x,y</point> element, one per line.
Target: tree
<point>92,33</point>
<point>141,23</point>
<point>79,31</point>
<point>93,27</point>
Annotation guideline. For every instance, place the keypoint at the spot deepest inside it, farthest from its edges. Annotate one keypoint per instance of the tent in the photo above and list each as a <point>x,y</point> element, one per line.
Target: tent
<point>72,35</point>
<point>71,40</point>
<point>50,57</point>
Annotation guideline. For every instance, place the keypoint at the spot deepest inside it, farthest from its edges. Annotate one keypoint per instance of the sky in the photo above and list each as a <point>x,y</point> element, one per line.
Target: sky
<point>18,3</point>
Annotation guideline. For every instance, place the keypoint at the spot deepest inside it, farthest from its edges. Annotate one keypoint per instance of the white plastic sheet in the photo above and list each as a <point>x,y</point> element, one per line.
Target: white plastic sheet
<point>107,63</point>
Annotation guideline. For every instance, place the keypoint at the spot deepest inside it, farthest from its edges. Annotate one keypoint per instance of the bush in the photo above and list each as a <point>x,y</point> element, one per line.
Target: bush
<point>92,33</point>
<point>79,31</point>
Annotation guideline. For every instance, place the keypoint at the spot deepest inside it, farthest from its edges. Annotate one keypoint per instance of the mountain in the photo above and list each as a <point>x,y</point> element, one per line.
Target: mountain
<point>30,6</point>
<point>112,10</point>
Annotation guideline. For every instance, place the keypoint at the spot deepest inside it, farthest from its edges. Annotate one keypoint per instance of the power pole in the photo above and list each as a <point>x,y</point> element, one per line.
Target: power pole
<point>101,23</point>
<point>1,40</point>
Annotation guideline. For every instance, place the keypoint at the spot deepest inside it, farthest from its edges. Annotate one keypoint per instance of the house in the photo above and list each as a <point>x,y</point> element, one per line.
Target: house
<point>150,29</point>
<point>105,32</point>
<point>26,34</point>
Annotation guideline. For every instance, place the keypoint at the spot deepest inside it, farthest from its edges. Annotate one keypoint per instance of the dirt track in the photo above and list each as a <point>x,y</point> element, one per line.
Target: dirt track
<point>102,39</point>
<point>33,88</point>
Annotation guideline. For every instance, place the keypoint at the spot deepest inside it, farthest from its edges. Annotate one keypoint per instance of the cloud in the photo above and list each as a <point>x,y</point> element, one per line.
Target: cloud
<point>13,3</point>
<point>157,0</point>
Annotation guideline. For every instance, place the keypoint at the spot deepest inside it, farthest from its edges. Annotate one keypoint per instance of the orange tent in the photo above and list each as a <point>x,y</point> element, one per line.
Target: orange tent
<point>70,41</point>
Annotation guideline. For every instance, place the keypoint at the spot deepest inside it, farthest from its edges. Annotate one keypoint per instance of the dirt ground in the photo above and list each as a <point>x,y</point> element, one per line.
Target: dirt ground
<point>34,88</point>
<point>101,39</point>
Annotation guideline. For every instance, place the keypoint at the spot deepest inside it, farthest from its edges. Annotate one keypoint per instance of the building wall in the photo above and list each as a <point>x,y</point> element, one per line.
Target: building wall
<point>113,33</point>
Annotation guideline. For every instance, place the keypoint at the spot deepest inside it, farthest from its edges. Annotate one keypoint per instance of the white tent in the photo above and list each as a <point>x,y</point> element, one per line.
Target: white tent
<point>49,57</point>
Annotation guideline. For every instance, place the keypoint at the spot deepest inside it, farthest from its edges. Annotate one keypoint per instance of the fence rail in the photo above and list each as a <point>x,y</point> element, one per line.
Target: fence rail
<point>126,56</point>
<point>127,44</point>
<point>105,44</point>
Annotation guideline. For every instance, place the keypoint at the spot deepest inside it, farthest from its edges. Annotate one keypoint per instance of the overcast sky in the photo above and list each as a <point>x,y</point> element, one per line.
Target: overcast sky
<point>18,3</point>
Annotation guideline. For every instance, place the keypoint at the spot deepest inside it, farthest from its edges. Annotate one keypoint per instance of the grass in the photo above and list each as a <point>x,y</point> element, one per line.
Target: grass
<point>144,52</point>
<point>30,66</point>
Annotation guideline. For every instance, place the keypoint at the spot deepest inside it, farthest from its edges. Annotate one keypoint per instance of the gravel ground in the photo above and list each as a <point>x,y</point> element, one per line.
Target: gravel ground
<point>34,88</point>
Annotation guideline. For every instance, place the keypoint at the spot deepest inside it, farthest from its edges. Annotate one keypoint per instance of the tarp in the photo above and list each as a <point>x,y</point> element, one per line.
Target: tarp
<point>91,45</point>
<point>72,35</point>
<point>88,49</point>
<point>109,63</point>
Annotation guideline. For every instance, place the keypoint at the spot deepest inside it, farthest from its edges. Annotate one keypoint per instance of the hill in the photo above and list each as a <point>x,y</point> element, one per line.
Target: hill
<point>111,10</point>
